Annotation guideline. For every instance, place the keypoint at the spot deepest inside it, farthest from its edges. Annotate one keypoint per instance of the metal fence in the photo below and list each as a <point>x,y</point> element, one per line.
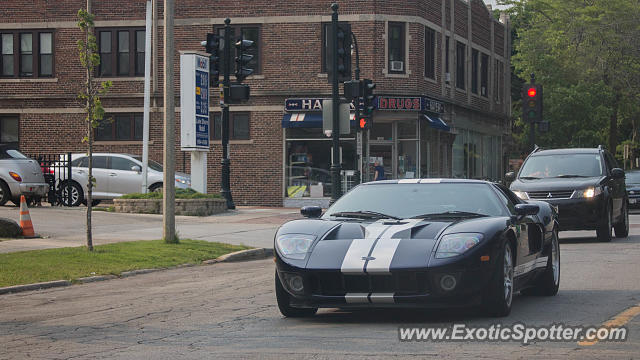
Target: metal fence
<point>56,169</point>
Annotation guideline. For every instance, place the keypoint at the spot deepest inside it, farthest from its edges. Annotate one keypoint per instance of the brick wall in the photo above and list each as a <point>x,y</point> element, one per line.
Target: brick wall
<point>51,119</point>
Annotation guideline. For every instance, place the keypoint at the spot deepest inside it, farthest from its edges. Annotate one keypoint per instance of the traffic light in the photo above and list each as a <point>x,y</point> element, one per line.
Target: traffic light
<point>353,90</point>
<point>366,117</point>
<point>344,52</point>
<point>532,103</point>
<point>212,46</point>
<point>243,58</point>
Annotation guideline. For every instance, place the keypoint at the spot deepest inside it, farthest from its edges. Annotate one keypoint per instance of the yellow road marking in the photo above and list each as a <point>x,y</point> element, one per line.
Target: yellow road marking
<point>617,321</point>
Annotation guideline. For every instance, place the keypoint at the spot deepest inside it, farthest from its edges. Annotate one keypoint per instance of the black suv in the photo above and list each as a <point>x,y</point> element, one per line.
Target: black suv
<point>585,185</point>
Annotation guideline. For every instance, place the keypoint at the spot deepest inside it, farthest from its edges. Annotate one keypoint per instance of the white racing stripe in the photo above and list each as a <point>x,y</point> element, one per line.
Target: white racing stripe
<point>386,247</point>
<point>356,298</point>
<point>381,298</point>
<point>356,256</point>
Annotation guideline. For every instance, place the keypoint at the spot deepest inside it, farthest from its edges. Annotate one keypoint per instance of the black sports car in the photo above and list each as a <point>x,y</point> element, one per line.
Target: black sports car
<point>418,243</point>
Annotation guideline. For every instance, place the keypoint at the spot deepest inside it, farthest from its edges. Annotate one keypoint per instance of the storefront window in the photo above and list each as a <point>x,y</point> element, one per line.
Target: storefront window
<point>407,159</point>
<point>382,131</point>
<point>308,163</point>
<point>476,156</point>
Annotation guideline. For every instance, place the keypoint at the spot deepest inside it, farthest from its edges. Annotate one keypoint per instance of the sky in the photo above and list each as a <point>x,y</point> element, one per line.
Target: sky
<point>493,3</point>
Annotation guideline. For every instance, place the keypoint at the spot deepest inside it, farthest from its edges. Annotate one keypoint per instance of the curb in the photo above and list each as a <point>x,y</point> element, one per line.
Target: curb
<point>36,286</point>
<point>243,255</point>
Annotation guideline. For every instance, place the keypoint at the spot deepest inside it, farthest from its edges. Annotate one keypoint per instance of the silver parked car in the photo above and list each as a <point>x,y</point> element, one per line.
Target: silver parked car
<point>20,175</point>
<point>115,174</point>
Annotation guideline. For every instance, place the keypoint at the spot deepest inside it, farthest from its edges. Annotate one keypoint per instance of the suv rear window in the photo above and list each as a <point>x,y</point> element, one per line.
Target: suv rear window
<point>562,165</point>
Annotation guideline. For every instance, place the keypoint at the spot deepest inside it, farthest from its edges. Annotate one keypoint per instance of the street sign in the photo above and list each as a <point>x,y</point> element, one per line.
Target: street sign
<point>345,117</point>
<point>194,102</point>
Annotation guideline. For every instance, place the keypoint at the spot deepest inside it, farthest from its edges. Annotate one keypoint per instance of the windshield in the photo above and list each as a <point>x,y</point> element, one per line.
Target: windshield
<point>412,200</point>
<point>564,165</point>
<point>152,164</point>
<point>633,177</point>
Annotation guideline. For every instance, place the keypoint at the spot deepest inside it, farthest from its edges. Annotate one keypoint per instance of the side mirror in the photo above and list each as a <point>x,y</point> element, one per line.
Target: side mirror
<point>311,211</point>
<point>136,168</point>
<point>617,173</point>
<point>510,176</point>
<point>527,209</point>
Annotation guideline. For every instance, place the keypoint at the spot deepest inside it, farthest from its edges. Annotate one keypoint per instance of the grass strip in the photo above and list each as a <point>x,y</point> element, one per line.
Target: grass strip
<point>34,266</point>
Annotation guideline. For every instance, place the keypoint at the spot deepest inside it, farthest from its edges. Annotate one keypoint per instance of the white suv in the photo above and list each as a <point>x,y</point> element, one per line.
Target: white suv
<point>115,174</point>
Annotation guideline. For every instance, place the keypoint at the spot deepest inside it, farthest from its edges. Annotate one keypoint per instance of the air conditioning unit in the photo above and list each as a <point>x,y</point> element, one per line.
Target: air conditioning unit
<point>447,77</point>
<point>397,66</point>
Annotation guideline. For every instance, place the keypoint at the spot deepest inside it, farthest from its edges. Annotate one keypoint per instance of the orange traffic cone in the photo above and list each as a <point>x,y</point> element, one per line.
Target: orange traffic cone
<point>25,219</point>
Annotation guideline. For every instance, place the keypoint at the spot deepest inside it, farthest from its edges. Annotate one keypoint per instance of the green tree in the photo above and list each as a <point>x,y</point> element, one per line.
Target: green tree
<point>586,53</point>
<point>90,97</point>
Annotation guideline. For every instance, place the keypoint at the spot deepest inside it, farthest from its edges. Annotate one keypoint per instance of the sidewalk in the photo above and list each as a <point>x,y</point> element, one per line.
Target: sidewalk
<point>65,227</point>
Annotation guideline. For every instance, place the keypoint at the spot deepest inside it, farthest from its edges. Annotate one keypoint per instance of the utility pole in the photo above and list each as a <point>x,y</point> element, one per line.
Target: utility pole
<point>359,133</point>
<point>336,186</point>
<point>169,158</point>
<point>226,162</point>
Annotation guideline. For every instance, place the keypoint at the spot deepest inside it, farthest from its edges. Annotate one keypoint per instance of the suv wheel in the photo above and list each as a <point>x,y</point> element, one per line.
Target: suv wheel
<point>604,229</point>
<point>622,228</point>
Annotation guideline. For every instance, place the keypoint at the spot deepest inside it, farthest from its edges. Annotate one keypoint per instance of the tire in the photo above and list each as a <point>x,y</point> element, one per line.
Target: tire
<point>499,296</point>
<point>603,231</point>
<point>156,187</point>
<point>77,194</point>
<point>622,228</point>
<point>282,296</point>
<point>548,282</point>
<point>5,193</point>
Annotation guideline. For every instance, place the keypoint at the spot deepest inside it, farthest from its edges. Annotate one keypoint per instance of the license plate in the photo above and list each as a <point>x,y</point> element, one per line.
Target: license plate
<point>633,201</point>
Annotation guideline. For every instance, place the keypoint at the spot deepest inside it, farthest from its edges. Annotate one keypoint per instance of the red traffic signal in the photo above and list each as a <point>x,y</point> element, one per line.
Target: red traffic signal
<point>532,92</point>
<point>363,123</point>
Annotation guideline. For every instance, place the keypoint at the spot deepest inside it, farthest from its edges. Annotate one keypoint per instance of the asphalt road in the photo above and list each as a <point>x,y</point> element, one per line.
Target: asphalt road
<point>228,311</point>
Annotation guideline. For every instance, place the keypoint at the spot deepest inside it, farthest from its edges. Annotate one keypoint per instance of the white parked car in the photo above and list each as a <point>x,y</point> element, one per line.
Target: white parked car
<point>115,174</point>
<point>20,175</point>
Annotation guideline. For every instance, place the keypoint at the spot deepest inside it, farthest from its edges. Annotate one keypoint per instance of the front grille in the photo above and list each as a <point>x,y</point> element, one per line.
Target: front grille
<point>403,282</point>
<point>556,194</point>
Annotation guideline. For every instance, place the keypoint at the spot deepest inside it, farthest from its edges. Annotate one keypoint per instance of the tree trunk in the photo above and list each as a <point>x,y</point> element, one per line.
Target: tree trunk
<point>90,104</point>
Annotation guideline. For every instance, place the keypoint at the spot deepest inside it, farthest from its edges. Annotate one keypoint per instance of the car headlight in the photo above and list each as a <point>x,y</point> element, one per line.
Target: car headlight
<point>294,246</point>
<point>589,192</point>
<point>457,244</point>
<point>521,194</point>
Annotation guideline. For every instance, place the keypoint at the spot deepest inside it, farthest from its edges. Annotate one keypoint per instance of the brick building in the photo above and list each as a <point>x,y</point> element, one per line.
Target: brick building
<point>441,67</point>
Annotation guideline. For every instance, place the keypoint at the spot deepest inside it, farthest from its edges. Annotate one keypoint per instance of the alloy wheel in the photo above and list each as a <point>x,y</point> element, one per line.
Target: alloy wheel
<point>508,275</point>
<point>555,259</point>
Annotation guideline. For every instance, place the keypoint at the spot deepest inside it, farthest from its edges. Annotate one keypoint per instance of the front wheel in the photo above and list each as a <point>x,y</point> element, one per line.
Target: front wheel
<point>603,231</point>
<point>500,292</point>
<point>283,298</point>
<point>622,228</point>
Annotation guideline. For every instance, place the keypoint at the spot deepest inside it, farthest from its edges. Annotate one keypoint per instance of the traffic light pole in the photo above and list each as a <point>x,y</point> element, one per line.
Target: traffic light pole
<point>226,162</point>
<point>336,186</point>
<point>532,124</point>
<point>357,173</point>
